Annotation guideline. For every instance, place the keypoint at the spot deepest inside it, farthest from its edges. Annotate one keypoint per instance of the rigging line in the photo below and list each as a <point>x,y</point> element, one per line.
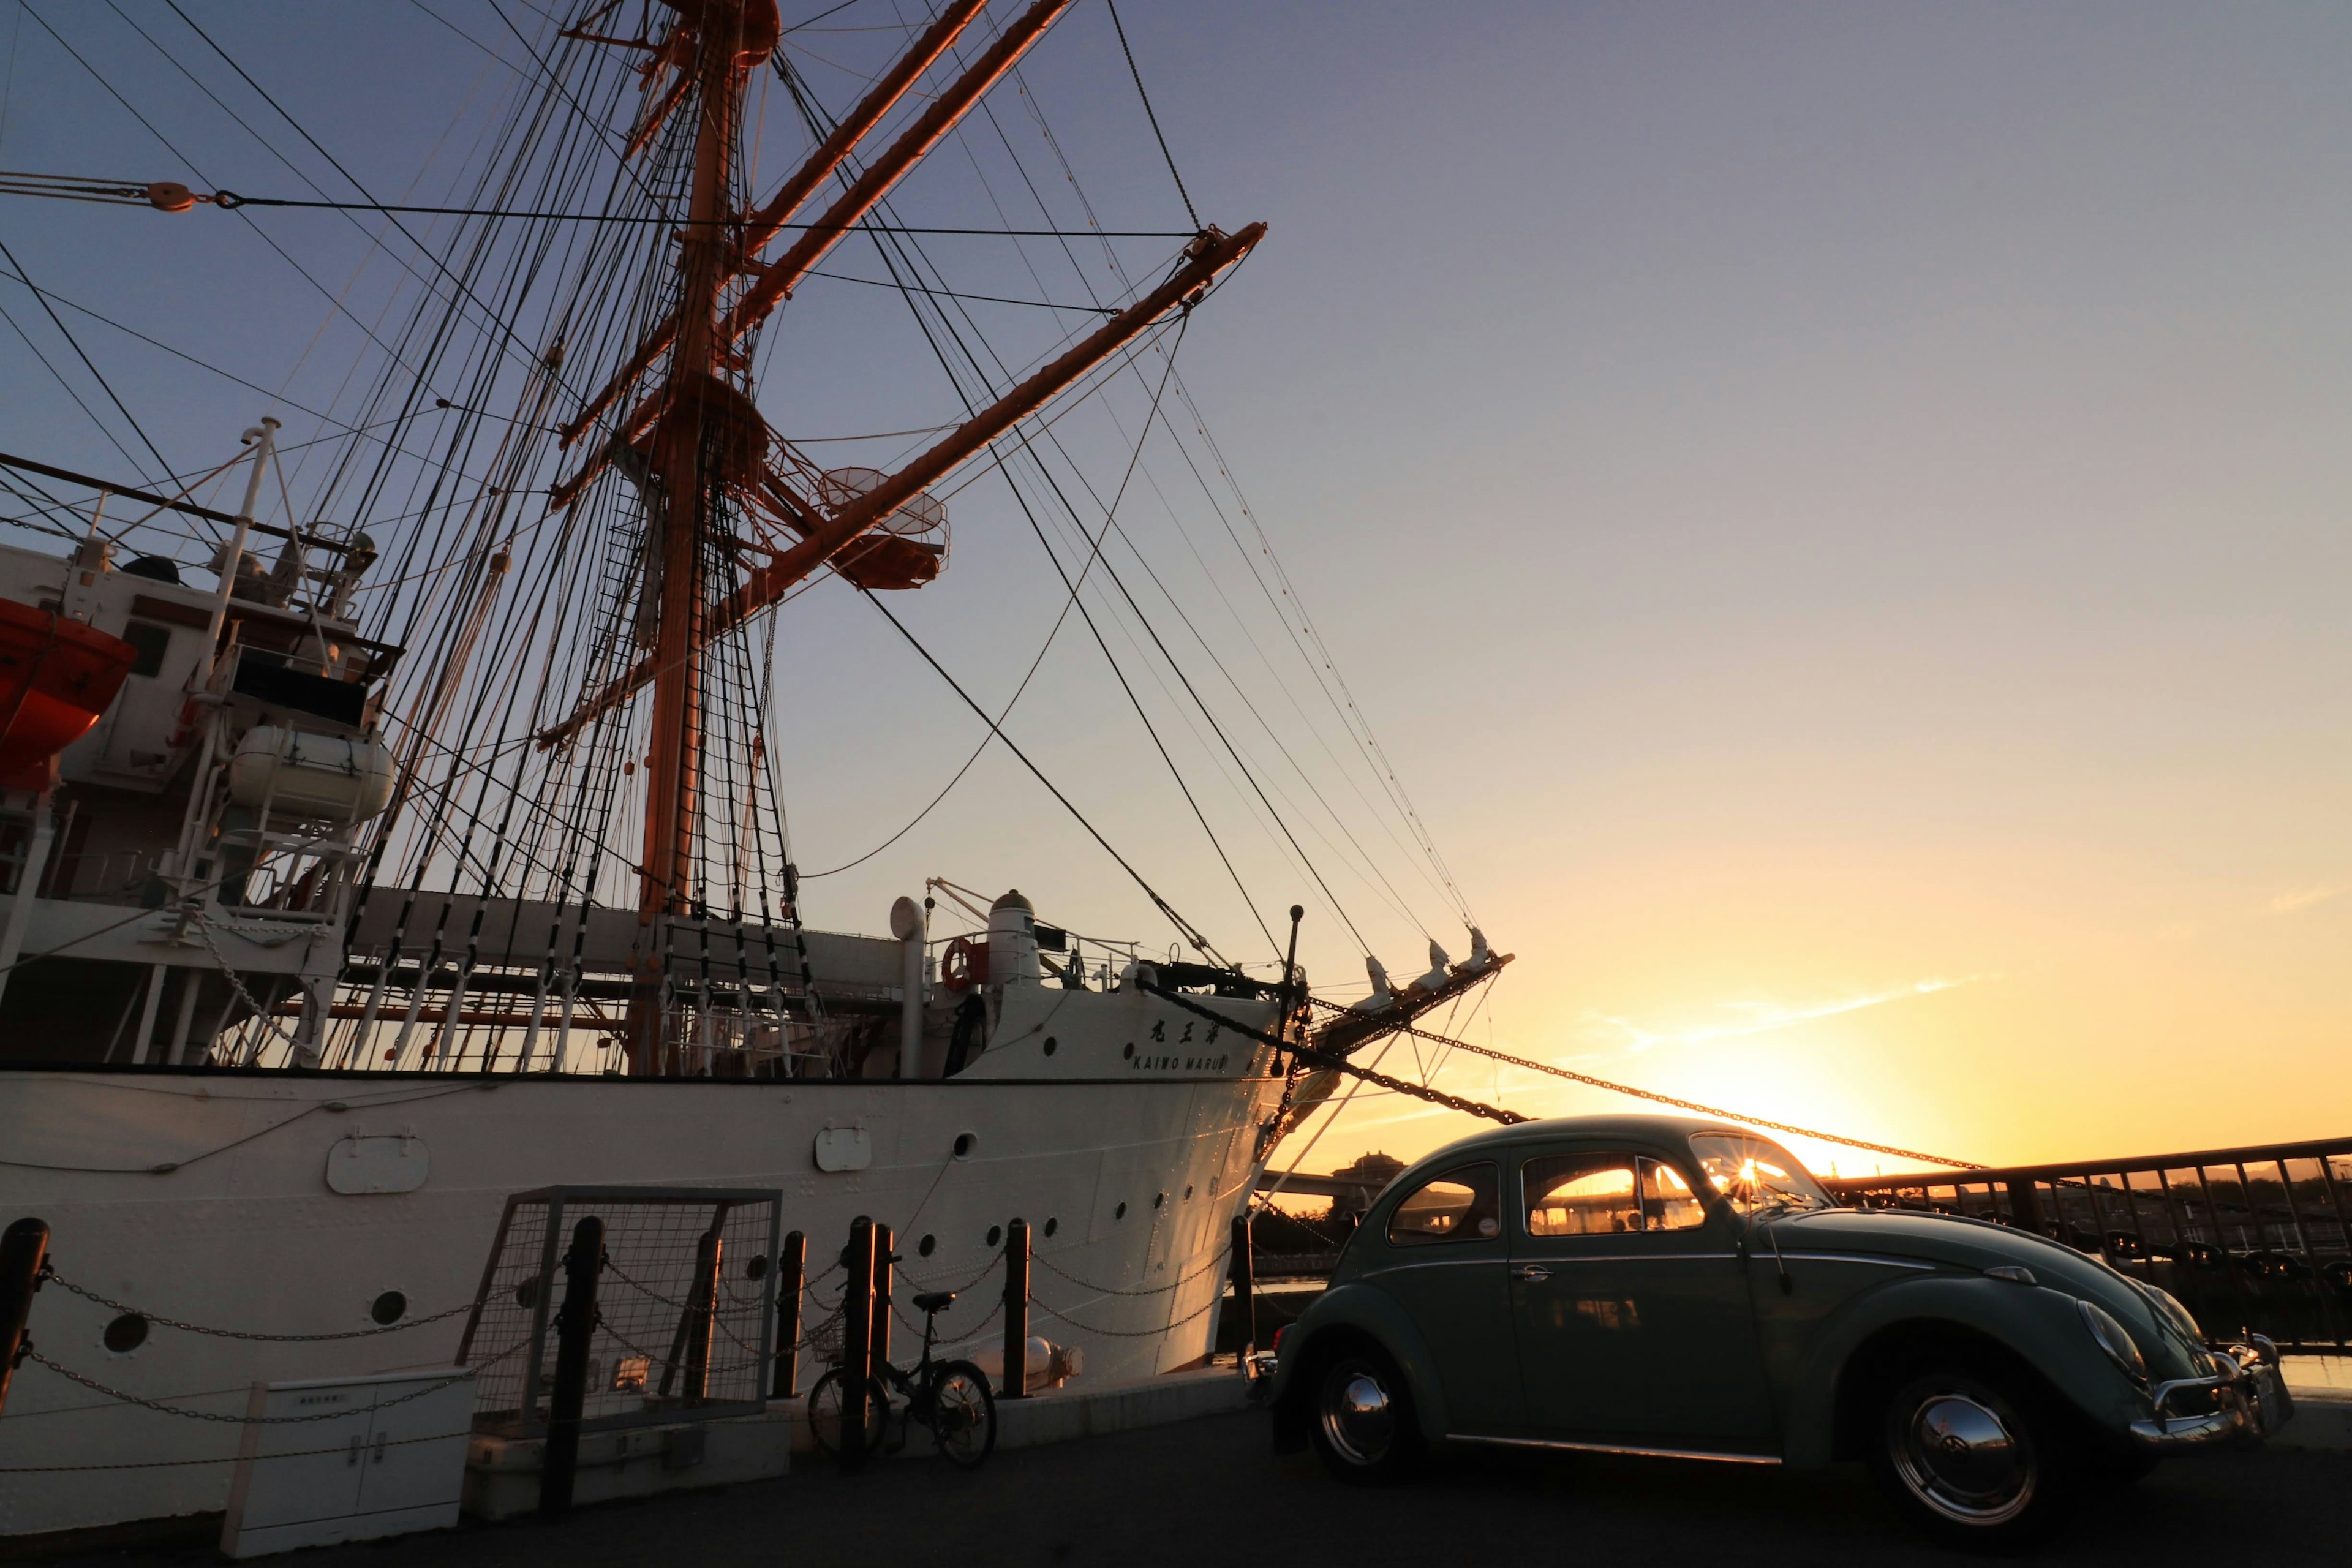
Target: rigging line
<point>506,329</point>
<point>301,271</point>
<point>1152,632</point>
<point>872,436</point>
<point>1367,741</point>
<point>96,423</point>
<point>996,731</point>
<point>1131,362</point>
<point>71,343</point>
<point>1587,1078</point>
<point>1084,613</point>
<point>177,354</point>
<point>956,294</point>
<point>1381,768</point>
<point>821,15</point>
<point>230,201</point>
<point>1095,551</point>
<point>1156,135</point>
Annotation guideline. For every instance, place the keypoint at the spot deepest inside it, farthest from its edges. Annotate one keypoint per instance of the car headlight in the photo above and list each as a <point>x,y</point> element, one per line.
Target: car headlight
<point>2114,1339</point>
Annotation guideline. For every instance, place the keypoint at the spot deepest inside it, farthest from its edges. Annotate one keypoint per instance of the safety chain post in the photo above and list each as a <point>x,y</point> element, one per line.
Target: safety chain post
<point>1290,976</point>
<point>1244,1276</point>
<point>23,1251</point>
<point>575,1326</point>
<point>883,1276</point>
<point>857,1342</point>
<point>702,1314</point>
<point>1016,1310</point>
<point>792,1283</point>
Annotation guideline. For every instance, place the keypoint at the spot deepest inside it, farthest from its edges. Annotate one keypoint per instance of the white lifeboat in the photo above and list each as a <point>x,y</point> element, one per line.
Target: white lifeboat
<point>295,773</point>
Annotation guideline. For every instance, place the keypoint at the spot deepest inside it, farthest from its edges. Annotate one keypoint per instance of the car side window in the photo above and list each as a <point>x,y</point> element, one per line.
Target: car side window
<point>1606,1194</point>
<point>1668,1201</point>
<point>1458,1204</point>
<point>1579,1194</point>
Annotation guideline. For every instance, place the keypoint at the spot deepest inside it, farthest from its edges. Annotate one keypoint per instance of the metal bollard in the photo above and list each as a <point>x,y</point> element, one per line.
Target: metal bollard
<point>1244,1276</point>
<point>857,1342</point>
<point>1016,1310</point>
<point>575,1327</point>
<point>22,1252</point>
<point>792,1283</point>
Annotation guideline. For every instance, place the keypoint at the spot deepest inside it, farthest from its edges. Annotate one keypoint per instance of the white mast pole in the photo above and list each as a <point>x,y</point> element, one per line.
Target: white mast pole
<point>263,439</point>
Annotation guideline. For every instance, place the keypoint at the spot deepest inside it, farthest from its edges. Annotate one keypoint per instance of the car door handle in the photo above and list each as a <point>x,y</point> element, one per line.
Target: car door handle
<point>1532,1273</point>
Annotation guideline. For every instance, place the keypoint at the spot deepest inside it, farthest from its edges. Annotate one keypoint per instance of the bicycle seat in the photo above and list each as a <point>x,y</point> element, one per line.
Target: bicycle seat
<point>935,1300</point>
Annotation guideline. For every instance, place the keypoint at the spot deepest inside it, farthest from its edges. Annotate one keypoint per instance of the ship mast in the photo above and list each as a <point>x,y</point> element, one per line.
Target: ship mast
<point>729,39</point>
<point>700,437</point>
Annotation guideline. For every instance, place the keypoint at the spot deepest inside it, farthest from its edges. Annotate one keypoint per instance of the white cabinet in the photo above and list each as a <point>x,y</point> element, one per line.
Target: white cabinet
<point>386,1456</point>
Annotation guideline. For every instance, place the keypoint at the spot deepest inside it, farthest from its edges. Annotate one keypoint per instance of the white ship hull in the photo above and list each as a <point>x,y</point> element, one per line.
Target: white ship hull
<point>203,1196</point>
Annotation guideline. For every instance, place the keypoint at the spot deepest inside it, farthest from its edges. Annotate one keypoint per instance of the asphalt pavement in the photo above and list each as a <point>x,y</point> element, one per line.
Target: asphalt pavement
<point>1208,1494</point>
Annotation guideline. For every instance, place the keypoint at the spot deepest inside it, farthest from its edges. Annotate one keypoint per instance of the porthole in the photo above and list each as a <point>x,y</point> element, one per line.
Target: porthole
<point>1188,1189</point>
<point>1050,1044</point>
<point>389,1308</point>
<point>928,1245</point>
<point>126,1334</point>
<point>1159,1200</point>
<point>1120,1212</point>
<point>965,1144</point>
<point>1051,1225</point>
<point>1129,1054</point>
<point>757,1268</point>
<point>995,1234</point>
<point>526,1297</point>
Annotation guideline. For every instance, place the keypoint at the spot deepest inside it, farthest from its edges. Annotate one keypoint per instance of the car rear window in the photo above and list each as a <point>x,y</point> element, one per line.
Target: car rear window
<point>1454,1205</point>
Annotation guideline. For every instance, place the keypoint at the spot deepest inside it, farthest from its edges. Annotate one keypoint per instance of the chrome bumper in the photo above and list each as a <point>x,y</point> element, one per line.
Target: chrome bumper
<point>2250,1401</point>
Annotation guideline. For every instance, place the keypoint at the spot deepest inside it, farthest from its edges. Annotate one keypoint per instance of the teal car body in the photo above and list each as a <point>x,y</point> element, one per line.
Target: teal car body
<point>1640,1284</point>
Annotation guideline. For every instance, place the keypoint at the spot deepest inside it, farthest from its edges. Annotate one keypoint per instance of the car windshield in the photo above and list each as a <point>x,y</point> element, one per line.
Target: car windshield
<point>1757,1173</point>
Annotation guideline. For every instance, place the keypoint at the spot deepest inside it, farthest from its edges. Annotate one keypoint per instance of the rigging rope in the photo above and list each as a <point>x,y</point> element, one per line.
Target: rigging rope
<point>1691,1105</point>
<point>1132,71</point>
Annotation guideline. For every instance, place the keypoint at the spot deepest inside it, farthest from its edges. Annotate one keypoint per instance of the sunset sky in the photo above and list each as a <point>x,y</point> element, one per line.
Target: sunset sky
<point>1837,514</point>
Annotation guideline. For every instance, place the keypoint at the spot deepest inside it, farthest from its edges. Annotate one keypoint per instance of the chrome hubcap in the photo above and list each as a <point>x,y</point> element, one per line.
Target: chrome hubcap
<point>1959,1453</point>
<point>1359,1418</point>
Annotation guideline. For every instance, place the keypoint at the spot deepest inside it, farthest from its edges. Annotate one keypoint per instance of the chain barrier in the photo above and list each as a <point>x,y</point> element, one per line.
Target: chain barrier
<point>52,1277</point>
<point>1314,1058</point>
<point>665,1362</point>
<point>269,1030</point>
<point>95,1387</point>
<point>1130,1334</point>
<point>1691,1105</point>
<point>1151,1290</point>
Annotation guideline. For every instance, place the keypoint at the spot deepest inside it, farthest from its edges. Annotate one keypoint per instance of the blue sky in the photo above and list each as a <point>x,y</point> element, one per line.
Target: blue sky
<point>1836,513</point>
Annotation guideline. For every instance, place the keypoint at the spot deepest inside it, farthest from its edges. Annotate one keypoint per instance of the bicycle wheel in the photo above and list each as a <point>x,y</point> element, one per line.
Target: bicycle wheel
<point>825,1411</point>
<point>963,1414</point>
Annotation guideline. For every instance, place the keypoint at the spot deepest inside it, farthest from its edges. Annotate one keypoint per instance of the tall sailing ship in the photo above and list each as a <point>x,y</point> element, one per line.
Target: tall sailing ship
<point>359,874</point>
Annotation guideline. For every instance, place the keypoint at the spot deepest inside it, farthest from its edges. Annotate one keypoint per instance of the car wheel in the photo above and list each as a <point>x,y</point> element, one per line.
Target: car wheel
<point>1364,1429</point>
<point>1971,1456</point>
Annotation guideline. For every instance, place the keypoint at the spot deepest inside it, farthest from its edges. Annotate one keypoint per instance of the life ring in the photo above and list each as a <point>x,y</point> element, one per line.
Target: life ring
<point>964,964</point>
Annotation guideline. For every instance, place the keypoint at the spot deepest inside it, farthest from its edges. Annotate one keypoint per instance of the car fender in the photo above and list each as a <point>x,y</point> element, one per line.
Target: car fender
<point>1370,1311</point>
<point>2041,1326</point>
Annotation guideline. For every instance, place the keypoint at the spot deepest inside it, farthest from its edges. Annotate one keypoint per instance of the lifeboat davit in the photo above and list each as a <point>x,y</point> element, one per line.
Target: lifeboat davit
<point>57,676</point>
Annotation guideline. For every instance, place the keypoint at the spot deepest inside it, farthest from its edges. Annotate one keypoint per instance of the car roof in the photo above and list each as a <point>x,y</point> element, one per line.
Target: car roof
<point>1632,1127</point>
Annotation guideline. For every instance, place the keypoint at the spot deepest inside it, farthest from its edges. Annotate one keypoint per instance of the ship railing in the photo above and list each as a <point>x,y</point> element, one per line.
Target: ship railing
<point>2257,1238</point>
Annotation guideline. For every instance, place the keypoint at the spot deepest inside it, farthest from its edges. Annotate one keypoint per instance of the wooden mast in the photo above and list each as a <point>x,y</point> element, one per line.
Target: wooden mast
<point>730,37</point>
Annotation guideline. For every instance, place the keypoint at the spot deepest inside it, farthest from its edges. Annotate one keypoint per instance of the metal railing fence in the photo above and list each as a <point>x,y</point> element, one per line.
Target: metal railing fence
<point>2256,1238</point>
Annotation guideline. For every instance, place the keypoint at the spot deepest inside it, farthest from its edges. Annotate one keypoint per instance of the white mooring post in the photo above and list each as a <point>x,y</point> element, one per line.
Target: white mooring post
<point>908,925</point>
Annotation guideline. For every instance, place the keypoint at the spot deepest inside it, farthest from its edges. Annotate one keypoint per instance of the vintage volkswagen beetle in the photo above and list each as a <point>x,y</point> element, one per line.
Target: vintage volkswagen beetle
<point>1658,1285</point>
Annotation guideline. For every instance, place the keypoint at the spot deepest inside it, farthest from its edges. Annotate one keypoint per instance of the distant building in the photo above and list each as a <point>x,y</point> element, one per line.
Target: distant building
<point>1365,1177</point>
